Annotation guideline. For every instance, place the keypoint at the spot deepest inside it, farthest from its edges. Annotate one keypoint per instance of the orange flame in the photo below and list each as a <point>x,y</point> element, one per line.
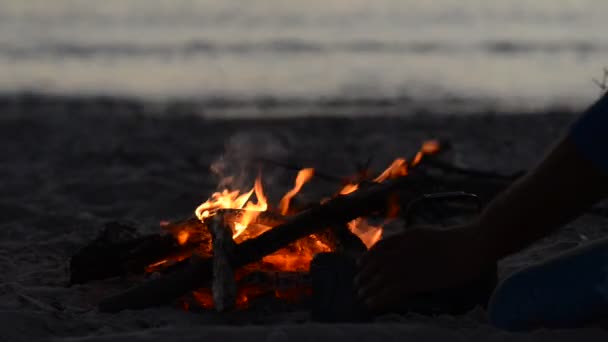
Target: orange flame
<point>429,147</point>
<point>397,169</point>
<point>303,177</point>
<point>222,200</point>
<point>349,188</point>
<point>234,200</point>
<point>252,211</point>
<point>297,256</point>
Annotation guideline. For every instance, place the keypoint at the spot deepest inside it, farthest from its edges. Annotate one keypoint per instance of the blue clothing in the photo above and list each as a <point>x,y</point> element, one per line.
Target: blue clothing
<point>590,134</point>
<point>566,291</point>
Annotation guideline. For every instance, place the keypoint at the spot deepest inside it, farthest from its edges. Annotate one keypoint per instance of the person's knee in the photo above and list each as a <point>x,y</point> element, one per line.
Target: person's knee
<point>565,291</point>
<point>507,309</point>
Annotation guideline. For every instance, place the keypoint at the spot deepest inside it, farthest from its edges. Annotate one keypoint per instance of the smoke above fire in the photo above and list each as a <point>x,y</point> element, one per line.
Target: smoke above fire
<point>243,154</point>
<point>239,165</point>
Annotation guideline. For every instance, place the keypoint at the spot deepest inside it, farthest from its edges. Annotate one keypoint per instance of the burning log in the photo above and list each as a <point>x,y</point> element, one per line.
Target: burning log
<point>198,273</point>
<point>118,250</point>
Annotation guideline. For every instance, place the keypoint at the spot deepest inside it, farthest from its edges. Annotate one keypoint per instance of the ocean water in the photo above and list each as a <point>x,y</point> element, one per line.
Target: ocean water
<point>534,52</point>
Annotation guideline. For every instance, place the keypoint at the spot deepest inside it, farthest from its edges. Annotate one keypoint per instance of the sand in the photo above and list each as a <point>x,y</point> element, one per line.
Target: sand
<point>68,165</point>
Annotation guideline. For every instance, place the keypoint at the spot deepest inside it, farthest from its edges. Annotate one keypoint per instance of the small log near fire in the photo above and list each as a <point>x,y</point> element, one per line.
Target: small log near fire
<point>224,283</point>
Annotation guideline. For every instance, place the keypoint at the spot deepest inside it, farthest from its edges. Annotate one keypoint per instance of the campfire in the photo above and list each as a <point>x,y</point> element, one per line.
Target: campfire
<point>248,214</point>
<point>238,247</point>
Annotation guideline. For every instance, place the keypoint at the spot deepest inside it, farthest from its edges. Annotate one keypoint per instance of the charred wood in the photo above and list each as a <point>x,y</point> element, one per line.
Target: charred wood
<point>224,283</point>
<point>118,250</point>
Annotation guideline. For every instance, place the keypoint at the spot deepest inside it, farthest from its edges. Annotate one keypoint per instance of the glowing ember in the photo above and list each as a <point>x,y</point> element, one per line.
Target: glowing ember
<point>182,237</point>
<point>204,297</point>
<point>393,207</point>
<point>367,233</point>
<point>297,256</point>
<point>162,262</point>
<point>157,266</point>
<point>248,293</point>
<point>303,177</point>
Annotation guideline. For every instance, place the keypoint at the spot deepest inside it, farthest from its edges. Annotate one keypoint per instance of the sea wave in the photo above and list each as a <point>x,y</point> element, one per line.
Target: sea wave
<point>292,46</point>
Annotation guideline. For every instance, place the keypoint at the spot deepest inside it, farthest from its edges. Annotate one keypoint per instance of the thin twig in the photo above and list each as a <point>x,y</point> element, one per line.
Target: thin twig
<point>603,85</point>
<point>446,167</point>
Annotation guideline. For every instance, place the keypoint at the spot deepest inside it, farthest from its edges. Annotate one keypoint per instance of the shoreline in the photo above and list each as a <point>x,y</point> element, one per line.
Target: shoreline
<point>261,107</point>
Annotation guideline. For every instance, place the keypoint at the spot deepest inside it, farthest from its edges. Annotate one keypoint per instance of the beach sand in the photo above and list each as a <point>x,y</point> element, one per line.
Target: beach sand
<point>70,164</point>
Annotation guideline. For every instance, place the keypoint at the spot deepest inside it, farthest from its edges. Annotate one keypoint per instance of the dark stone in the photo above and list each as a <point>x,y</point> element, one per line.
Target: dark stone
<point>333,293</point>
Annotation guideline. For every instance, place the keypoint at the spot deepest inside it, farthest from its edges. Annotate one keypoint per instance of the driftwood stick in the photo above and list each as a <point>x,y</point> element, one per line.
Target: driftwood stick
<point>198,273</point>
<point>224,284</point>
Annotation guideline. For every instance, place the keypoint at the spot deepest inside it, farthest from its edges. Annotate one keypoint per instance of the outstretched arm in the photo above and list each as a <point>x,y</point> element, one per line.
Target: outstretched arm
<point>558,190</point>
<point>571,178</point>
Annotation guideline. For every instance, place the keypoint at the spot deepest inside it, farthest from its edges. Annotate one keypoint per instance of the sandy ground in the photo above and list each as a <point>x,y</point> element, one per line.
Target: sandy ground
<point>68,165</point>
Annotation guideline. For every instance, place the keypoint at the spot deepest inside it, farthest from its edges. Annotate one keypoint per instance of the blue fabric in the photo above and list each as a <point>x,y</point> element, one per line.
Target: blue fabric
<point>590,134</point>
<point>566,291</point>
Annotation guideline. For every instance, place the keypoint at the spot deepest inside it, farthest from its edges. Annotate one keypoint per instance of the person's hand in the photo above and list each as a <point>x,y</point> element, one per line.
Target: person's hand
<point>417,261</point>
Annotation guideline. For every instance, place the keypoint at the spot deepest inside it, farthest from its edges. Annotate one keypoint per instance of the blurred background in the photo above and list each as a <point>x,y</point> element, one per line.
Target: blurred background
<point>520,53</point>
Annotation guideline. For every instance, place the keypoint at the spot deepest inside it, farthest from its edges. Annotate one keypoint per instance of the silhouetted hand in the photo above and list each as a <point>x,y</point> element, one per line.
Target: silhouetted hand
<point>417,261</point>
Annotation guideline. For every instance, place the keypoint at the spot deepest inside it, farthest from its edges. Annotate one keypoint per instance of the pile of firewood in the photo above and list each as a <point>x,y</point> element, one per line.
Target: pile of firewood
<point>212,259</point>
